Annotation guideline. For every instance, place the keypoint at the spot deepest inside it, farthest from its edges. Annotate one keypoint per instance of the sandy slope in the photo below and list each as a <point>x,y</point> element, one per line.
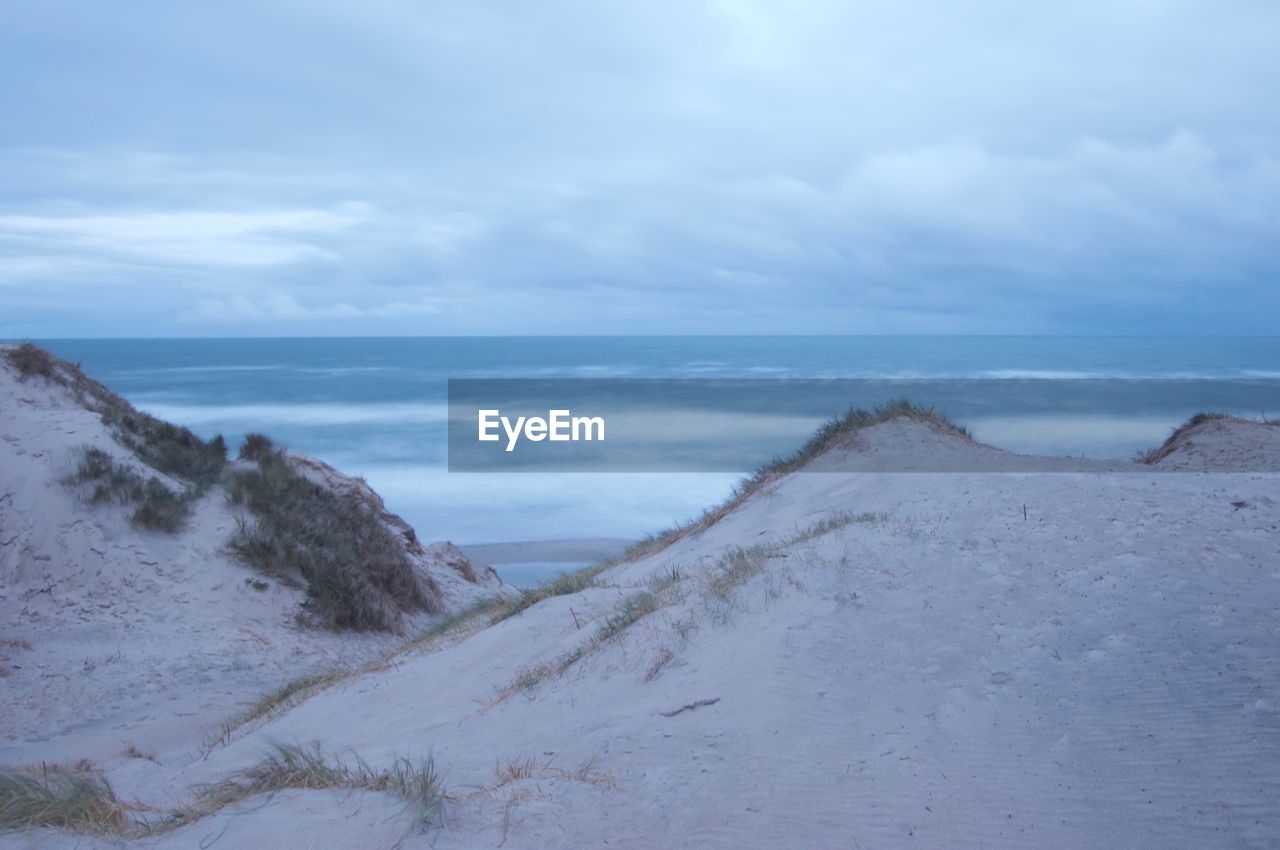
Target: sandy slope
<point>1081,659</point>
<point>114,635</point>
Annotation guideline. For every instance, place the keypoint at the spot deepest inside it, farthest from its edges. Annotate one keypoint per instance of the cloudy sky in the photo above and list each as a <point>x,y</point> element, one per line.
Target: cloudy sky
<point>408,167</point>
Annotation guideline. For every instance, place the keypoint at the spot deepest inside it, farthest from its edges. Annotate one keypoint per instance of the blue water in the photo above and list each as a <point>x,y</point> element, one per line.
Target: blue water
<point>377,407</point>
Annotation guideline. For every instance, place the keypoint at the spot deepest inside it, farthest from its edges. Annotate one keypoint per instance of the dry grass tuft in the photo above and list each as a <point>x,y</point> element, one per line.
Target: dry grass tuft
<point>74,798</point>
<point>131,751</point>
<point>662,659</point>
<point>294,766</point>
<point>514,771</point>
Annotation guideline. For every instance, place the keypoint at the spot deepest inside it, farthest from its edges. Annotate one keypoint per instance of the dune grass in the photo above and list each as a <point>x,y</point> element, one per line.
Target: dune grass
<point>277,702</point>
<point>1180,434</point>
<point>357,573</point>
<point>168,448</point>
<point>30,361</point>
<point>82,801</point>
<point>739,565</point>
<point>733,569</point>
<point>71,798</point>
<point>293,766</point>
<point>825,438</point>
<point>299,690</point>
<point>156,507</point>
<point>563,585</point>
<point>633,608</point>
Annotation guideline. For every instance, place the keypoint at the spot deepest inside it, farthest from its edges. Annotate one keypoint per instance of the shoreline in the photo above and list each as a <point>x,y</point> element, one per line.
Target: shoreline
<point>563,550</point>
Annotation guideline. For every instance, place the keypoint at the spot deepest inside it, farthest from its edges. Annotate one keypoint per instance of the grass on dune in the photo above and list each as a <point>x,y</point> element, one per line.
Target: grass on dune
<point>72,798</point>
<point>733,569</point>
<point>156,507</point>
<point>31,361</point>
<point>564,585</point>
<point>826,437</point>
<point>299,690</point>
<point>418,783</point>
<point>357,573</point>
<point>739,565</point>
<point>80,800</point>
<point>1183,431</point>
<point>171,449</point>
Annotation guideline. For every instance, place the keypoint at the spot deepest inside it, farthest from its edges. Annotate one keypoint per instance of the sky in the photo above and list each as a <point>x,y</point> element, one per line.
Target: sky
<point>398,167</point>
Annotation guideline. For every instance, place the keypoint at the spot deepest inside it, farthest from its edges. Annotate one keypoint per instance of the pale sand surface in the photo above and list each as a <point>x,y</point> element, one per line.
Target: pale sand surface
<point>1020,660</point>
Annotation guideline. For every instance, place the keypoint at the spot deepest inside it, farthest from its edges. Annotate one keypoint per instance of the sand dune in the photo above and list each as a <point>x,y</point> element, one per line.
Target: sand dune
<point>115,635</point>
<point>974,658</point>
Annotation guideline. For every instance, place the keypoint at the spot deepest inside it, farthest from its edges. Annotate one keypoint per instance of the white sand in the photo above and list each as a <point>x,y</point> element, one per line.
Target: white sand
<point>1081,659</point>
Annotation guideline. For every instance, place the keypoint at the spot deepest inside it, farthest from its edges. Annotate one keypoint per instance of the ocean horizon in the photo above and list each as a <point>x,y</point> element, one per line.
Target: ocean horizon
<point>377,406</point>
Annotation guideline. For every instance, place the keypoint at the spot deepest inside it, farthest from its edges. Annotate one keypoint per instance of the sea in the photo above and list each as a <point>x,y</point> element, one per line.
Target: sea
<point>377,407</point>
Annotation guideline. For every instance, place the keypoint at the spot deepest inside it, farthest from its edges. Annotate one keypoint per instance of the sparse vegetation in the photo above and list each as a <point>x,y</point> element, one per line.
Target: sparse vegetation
<point>733,570</point>
<point>168,448</point>
<point>74,798</point>
<point>277,702</point>
<point>357,573</point>
<point>299,690</point>
<point>739,565</point>
<point>80,800</point>
<point>418,783</point>
<point>632,609</point>
<point>157,508</point>
<point>824,439</point>
<point>31,360</point>
<point>131,751</point>
<point>1180,434</point>
<point>563,585</point>
<point>514,770</point>
<point>524,767</point>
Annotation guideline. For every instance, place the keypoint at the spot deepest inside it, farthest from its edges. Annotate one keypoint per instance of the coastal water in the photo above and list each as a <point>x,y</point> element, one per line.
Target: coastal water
<point>377,407</point>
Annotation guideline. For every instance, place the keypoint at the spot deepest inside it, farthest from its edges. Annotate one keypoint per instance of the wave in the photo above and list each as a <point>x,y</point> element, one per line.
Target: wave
<point>164,370</point>
<point>258,415</point>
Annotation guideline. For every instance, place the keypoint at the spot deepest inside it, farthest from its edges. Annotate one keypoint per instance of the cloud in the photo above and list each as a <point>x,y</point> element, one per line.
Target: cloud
<point>281,306</point>
<point>182,237</point>
<point>685,166</point>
